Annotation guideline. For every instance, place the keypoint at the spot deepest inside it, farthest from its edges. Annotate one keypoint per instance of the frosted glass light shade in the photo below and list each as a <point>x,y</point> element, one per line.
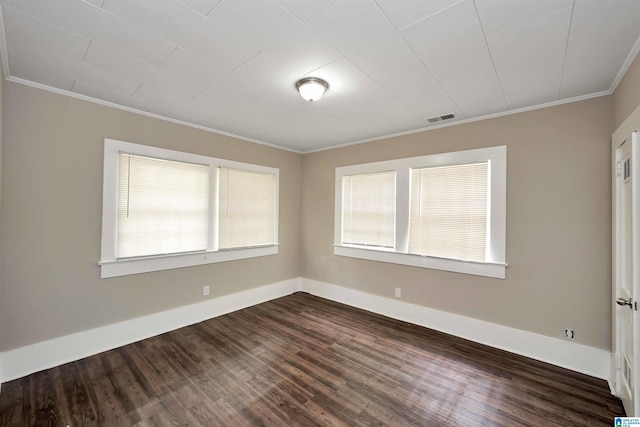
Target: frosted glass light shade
<point>312,88</point>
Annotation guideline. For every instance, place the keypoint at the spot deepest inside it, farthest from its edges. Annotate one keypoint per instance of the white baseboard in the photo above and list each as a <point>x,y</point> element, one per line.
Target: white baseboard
<point>567,354</point>
<point>47,354</point>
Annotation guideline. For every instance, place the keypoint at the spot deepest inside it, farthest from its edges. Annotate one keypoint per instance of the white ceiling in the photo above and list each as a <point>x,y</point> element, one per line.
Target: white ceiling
<point>231,65</point>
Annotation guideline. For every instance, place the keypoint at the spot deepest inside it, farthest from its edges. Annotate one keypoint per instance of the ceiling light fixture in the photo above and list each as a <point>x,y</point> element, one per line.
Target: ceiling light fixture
<point>312,88</point>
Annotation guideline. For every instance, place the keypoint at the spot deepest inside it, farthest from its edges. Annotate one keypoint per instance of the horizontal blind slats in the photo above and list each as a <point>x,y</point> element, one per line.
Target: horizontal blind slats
<point>369,207</point>
<point>162,206</point>
<point>448,213</point>
<point>247,209</point>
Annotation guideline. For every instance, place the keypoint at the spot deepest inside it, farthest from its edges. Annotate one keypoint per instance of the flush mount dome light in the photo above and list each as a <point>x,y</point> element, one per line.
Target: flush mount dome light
<point>312,88</point>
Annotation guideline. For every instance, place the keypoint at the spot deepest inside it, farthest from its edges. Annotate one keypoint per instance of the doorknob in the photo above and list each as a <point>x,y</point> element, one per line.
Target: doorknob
<point>622,301</point>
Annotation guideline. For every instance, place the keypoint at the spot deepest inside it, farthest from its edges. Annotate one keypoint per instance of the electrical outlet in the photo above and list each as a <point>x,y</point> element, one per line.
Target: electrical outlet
<point>568,333</point>
<point>398,293</point>
<point>205,290</point>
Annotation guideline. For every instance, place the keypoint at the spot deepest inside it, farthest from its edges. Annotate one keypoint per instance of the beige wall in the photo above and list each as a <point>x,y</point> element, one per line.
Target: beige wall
<point>626,97</point>
<point>51,219</point>
<point>558,223</point>
<point>2,297</point>
<point>626,104</point>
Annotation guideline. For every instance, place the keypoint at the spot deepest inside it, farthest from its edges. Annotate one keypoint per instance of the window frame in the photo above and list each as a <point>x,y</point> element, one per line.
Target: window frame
<point>111,266</point>
<point>494,266</point>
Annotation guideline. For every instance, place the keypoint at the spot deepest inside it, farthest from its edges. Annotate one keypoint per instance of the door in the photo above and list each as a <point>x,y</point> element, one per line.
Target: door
<point>626,287</point>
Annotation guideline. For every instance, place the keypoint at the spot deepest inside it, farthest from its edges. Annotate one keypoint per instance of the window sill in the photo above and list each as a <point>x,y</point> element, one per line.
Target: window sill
<point>144,265</point>
<point>494,270</point>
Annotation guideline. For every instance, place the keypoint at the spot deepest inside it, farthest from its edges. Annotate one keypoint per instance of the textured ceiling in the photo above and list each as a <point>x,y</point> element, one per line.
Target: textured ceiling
<point>231,65</point>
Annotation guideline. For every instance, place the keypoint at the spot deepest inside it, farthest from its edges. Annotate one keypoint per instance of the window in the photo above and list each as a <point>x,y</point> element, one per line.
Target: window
<point>444,211</point>
<point>368,216</point>
<point>166,209</point>
<point>247,208</point>
<point>449,211</point>
<point>162,206</point>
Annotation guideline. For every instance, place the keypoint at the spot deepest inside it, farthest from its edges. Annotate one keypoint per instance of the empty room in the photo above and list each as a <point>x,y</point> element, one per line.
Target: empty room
<point>319,213</point>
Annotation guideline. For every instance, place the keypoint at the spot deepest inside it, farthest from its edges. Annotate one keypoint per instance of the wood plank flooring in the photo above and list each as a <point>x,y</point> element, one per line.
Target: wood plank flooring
<point>305,361</point>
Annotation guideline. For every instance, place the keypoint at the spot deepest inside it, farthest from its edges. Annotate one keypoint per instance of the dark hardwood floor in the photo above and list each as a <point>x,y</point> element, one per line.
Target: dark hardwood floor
<point>302,360</point>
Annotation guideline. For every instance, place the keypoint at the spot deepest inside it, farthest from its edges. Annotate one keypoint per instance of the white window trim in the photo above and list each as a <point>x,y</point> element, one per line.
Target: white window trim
<point>496,251</point>
<point>110,266</point>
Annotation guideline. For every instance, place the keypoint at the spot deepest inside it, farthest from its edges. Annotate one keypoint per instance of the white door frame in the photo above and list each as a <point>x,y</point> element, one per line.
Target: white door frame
<point>631,398</point>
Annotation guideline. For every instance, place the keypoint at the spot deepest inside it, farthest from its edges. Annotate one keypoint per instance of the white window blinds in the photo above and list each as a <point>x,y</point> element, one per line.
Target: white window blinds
<point>247,209</point>
<point>368,209</point>
<point>448,213</point>
<point>162,206</point>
